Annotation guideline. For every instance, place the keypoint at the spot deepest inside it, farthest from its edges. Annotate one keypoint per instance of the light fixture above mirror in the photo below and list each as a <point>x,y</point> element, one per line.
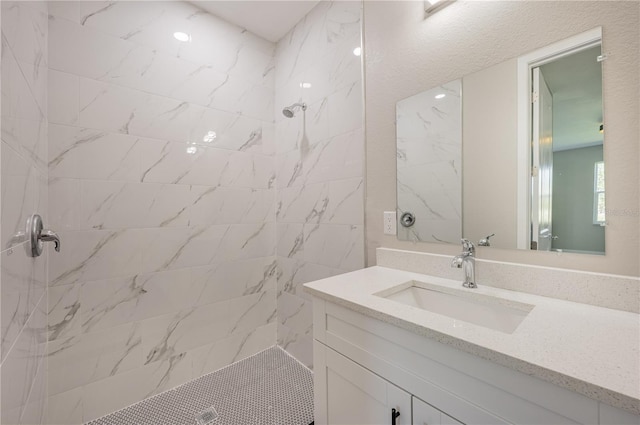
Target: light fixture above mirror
<point>433,6</point>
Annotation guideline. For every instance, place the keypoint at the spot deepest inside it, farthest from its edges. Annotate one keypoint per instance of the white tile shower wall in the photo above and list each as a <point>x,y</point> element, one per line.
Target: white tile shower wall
<point>23,169</point>
<point>162,171</point>
<point>319,160</point>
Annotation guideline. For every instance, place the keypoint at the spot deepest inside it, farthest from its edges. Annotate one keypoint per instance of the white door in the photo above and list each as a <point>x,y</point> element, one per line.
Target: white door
<point>353,395</point>
<point>542,163</point>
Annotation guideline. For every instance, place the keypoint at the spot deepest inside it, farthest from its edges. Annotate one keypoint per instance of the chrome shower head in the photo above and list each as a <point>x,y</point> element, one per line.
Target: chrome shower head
<point>289,111</point>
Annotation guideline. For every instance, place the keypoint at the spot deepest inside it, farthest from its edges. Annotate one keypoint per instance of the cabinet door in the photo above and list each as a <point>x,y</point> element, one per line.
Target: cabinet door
<point>425,414</point>
<point>355,396</point>
<point>448,420</point>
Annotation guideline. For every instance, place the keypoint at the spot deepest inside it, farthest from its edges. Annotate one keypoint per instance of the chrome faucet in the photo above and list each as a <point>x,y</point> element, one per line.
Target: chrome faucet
<point>467,262</point>
<point>486,241</point>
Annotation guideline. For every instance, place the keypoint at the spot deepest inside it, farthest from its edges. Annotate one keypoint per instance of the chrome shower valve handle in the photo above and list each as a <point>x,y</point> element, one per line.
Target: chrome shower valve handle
<point>37,235</point>
<point>51,236</point>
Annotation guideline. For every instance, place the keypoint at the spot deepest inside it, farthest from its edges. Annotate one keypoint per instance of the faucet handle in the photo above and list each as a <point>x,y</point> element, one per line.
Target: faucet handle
<point>468,246</point>
<point>486,241</point>
<point>51,236</point>
<point>36,235</point>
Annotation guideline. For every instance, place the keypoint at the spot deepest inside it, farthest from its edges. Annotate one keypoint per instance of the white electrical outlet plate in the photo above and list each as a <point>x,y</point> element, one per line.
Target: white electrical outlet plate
<point>390,223</point>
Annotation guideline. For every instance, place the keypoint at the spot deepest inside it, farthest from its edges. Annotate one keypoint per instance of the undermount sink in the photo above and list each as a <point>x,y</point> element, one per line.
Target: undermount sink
<point>478,309</point>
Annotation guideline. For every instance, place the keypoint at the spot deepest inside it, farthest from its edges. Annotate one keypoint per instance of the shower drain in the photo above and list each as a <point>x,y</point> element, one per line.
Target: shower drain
<point>207,416</point>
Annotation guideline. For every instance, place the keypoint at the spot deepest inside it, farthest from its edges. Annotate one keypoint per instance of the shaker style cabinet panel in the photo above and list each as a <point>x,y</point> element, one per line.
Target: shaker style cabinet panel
<point>425,414</point>
<point>355,396</point>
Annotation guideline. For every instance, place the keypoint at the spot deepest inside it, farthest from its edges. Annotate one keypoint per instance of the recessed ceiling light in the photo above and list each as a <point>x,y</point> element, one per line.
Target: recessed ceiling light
<point>182,36</point>
<point>192,150</point>
<point>357,51</point>
<point>209,137</point>
<point>440,96</point>
<point>305,85</point>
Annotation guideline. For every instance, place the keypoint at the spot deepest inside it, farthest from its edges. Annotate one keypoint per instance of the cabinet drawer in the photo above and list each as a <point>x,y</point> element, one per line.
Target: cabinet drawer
<point>426,414</point>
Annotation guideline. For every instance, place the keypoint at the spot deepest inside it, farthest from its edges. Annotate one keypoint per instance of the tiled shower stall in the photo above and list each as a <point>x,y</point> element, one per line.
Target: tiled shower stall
<point>189,208</point>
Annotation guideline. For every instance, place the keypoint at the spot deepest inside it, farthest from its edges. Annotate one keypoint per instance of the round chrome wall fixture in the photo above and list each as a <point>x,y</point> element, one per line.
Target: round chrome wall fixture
<point>407,219</point>
<point>37,235</point>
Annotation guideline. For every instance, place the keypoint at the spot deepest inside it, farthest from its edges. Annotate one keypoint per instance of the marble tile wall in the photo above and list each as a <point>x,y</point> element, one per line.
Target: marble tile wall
<point>429,164</point>
<point>162,186</point>
<point>319,162</point>
<point>23,181</point>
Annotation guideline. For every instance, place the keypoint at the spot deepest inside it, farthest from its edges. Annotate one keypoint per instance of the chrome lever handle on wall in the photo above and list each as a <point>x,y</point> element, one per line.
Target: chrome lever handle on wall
<point>51,236</point>
<point>37,235</point>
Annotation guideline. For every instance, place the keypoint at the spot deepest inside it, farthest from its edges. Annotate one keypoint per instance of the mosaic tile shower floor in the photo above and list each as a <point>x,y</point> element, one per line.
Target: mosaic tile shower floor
<point>269,388</point>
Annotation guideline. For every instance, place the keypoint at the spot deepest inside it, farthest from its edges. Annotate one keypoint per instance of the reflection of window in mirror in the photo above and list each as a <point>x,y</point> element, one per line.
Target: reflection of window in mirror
<point>598,198</point>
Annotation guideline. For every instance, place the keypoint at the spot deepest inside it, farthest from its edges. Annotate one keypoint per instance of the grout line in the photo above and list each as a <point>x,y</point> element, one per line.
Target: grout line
<point>24,326</point>
<point>294,358</point>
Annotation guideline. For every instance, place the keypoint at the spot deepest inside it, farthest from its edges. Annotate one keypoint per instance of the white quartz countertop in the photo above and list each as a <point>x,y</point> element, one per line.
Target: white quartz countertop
<point>591,350</point>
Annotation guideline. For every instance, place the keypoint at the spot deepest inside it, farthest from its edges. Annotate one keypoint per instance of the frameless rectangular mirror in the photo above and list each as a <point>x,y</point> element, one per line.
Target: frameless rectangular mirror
<point>511,155</point>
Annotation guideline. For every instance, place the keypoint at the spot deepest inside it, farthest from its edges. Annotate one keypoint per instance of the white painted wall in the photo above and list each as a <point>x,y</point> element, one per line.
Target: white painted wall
<point>406,54</point>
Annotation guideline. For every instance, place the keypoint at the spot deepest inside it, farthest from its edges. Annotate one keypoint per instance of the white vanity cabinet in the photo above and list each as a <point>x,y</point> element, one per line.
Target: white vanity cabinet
<point>357,396</point>
<point>364,367</point>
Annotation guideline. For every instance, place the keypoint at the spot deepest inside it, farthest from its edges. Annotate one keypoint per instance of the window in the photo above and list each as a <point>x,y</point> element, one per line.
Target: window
<point>598,194</point>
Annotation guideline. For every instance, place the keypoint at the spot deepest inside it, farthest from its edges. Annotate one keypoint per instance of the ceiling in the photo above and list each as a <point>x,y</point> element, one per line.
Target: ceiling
<point>268,19</point>
<point>575,81</point>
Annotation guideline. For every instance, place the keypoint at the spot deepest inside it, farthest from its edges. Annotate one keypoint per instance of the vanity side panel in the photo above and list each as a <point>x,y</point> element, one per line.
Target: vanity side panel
<point>319,320</point>
<point>319,382</point>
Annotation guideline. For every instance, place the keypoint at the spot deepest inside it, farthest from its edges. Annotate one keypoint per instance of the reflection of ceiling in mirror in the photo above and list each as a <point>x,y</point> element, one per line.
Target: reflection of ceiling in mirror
<point>575,82</point>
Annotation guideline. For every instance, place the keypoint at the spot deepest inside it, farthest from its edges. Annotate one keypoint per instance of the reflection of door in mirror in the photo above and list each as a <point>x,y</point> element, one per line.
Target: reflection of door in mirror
<point>576,81</point>
<point>567,145</point>
<point>542,163</point>
<point>560,140</point>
